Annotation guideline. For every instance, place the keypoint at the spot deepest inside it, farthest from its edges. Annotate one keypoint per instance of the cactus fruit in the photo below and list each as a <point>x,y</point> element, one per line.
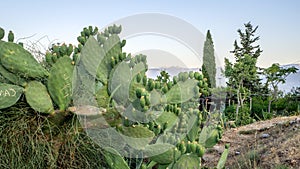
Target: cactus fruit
<point>2,33</point>
<point>200,150</point>
<point>138,77</point>
<point>60,82</point>
<point>182,147</point>
<point>38,97</point>
<point>9,94</point>
<point>11,36</point>
<point>19,61</point>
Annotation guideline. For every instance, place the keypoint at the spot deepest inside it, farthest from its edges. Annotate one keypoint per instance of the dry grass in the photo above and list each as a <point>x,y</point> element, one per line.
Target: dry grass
<point>29,140</point>
<point>248,149</point>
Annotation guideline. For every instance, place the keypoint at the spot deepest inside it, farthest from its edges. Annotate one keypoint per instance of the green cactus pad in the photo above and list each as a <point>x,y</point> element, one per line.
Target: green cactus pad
<point>209,136</point>
<point>19,61</point>
<point>162,153</point>
<point>137,136</point>
<point>119,83</point>
<point>182,92</point>
<point>194,129</point>
<point>102,96</point>
<point>60,82</point>
<point>223,158</point>
<point>112,48</point>
<point>167,117</point>
<point>92,55</point>
<point>11,77</point>
<point>9,94</point>
<point>188,161</point>
<point>114,159</point>
<point>38,97</point>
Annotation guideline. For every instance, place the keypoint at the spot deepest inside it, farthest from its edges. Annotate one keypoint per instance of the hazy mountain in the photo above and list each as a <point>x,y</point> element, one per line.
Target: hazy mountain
<point>292,80</point>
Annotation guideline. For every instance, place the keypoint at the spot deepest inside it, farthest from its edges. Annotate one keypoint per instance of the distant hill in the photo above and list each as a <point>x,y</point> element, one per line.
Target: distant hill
<point>292,80</point>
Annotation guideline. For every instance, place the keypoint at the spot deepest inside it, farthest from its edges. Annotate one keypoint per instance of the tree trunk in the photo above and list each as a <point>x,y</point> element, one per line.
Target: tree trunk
<point>269,105</point>
<point>238,105</point>
<point>250,104</point>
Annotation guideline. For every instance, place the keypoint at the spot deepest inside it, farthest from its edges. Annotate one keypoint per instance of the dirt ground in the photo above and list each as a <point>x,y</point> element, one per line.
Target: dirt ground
<point>267,144</point>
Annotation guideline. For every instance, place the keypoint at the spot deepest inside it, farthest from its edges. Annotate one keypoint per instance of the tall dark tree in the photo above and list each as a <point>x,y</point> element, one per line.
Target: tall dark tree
<point>209,63</point>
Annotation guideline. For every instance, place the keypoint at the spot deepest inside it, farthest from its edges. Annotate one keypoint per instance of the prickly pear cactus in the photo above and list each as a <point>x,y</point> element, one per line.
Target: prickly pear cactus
<point>9,94</point>
<point>157,120</point>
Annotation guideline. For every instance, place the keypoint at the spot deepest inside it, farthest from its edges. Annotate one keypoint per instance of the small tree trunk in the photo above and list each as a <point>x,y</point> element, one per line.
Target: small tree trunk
<point>250,104</point>
<point>237,106</point>
<point>269,105</point>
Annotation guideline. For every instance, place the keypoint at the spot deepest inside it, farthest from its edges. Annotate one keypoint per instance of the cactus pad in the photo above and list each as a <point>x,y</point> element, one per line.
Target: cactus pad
<point>19,61</point>
<point>60,82</point>
<point>11,77</point>
<point>188,161</point>
<point>38,97</point>
<point>137,136</point>
<point>9,94</point>
<point>114,159</point>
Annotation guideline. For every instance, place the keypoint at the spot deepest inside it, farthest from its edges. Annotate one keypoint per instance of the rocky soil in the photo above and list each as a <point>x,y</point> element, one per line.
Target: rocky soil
<point>267,144</point>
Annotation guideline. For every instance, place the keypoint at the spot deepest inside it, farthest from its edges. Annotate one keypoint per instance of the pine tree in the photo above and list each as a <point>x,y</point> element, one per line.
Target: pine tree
<point>209,63</point>
<point>243,74</point>
<point>248,47</point>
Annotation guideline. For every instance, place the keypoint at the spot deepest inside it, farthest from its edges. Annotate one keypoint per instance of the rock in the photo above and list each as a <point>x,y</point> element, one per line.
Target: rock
<point>237,153</point>
<point>265,135</point>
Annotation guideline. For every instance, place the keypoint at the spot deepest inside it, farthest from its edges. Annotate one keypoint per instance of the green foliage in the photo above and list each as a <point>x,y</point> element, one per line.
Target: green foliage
<point>276,75</point>
<point>242,75</point>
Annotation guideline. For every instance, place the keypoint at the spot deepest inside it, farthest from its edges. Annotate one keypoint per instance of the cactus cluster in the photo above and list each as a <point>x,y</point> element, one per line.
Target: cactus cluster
<point>160,113</point>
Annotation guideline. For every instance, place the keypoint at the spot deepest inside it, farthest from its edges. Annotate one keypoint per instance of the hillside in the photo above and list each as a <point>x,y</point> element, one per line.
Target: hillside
<point>265,144</point>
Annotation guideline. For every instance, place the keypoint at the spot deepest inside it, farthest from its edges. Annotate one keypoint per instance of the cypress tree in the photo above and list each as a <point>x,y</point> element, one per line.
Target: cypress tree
<point>209,63</point>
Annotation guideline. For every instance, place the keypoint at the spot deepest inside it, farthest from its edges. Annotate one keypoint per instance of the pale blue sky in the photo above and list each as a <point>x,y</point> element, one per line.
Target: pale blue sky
<point>278,20</point>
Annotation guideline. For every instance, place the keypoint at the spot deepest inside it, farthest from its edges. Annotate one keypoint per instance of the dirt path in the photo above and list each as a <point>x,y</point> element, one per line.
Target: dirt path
<point>264,144</point>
